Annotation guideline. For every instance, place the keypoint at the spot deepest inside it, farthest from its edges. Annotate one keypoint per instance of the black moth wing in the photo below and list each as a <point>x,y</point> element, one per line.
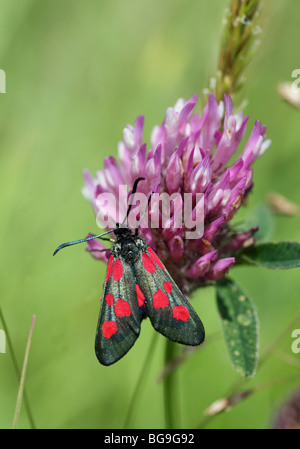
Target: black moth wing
<point>170,312</point>
<point>119,318</point>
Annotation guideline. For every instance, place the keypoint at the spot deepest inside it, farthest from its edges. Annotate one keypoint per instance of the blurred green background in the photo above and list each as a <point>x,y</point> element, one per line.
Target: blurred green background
<point>76,73</point>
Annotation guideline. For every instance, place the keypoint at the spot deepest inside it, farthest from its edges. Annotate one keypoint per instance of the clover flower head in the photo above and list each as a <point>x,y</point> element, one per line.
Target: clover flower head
<point>190,153</point>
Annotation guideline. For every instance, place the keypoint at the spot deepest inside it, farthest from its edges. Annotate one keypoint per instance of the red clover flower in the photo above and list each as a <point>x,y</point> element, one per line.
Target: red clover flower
<point>190,153</point>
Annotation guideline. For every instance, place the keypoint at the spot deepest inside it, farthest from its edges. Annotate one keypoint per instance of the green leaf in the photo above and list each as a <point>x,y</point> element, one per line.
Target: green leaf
<point>240,325</point>
<point>277,256</point>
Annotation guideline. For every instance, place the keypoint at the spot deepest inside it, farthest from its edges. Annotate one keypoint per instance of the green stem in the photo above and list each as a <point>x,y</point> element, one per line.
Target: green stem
<point>170,388</point>
<point>16,367</point>
<point>22,380</point>
<point>141,380</point>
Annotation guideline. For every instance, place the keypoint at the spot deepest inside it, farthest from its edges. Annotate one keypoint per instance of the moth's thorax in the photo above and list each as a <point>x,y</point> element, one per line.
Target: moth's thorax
<point>128,246</point>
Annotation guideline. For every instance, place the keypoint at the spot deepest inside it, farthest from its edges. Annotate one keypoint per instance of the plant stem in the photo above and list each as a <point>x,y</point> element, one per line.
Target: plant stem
<point>16,367</point>
<point>22,380</point>
<point>170,388</point>
<point>141,380</point>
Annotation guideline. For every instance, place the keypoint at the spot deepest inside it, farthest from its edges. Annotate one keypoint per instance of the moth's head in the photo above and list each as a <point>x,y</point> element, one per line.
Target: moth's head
<point>122,233</point>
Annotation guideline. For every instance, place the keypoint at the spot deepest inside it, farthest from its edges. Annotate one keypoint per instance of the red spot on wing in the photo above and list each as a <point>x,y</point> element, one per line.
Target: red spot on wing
<point>181,313</point>
<point>140,295</point>
<point>117,270</point>
<point>109,328</point>
<point>155,258</point>
<point>122,308</point>
<point>160,300</point>
<point>148,263</point>
<point>109,299</point>
<point>109,267</point>
<point>168,286</point>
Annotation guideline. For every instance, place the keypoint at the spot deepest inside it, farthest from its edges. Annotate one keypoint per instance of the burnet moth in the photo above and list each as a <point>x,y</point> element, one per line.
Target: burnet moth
<point>137,285</point>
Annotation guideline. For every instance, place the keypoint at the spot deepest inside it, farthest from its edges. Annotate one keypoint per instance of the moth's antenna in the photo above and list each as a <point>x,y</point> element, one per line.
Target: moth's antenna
<point>134,188</point>
<point>63,245</point>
